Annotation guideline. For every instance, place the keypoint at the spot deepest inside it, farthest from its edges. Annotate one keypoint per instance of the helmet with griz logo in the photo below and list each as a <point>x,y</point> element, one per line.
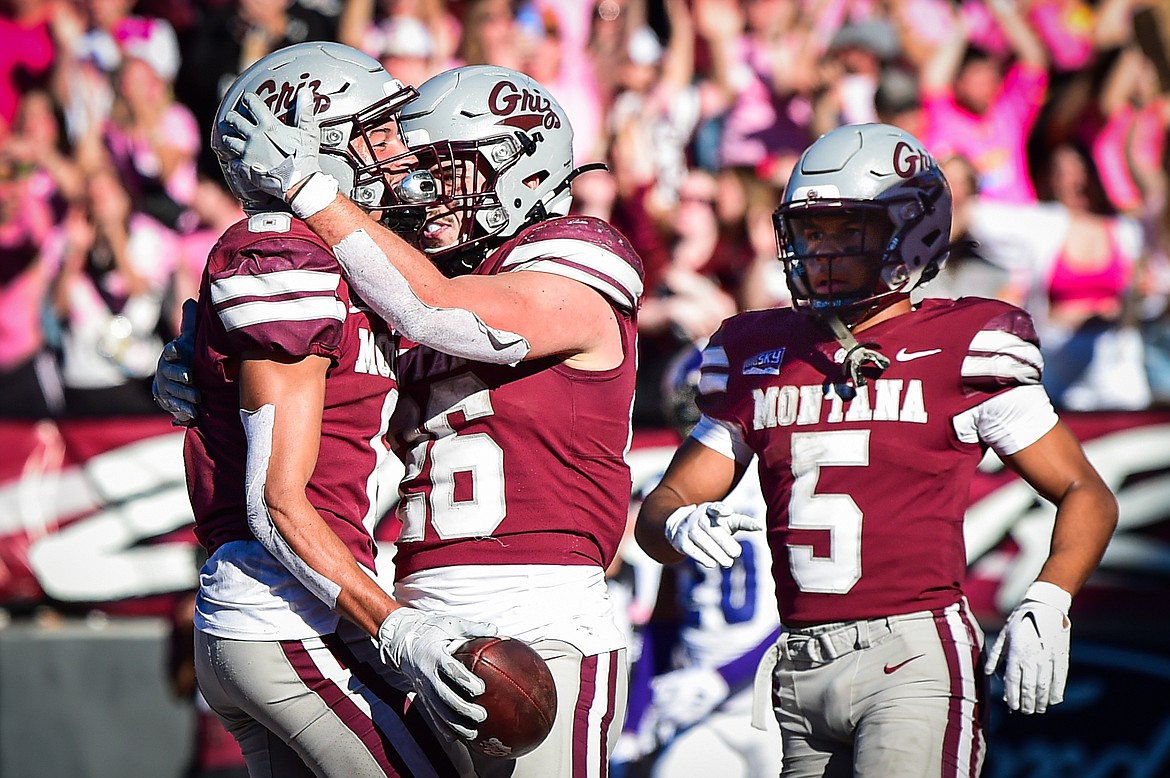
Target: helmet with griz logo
<point>870,171</point>
<point>500,150</point>
<point>355,97</point>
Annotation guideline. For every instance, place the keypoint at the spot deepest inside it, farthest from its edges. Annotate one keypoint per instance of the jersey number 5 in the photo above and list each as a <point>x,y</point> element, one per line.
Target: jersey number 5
<point>836,513</point>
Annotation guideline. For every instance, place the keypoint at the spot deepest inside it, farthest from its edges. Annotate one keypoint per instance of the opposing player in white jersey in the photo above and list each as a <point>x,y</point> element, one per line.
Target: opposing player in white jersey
<point>701,710</point>
<point>869,414</point>
<point>515,495</point>
<point>305,658</point>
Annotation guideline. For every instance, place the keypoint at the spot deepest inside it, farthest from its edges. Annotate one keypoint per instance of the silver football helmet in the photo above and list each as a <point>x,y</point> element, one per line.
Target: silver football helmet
<point>507,129</point>
<point>355,94</point>
<point>878,172</point>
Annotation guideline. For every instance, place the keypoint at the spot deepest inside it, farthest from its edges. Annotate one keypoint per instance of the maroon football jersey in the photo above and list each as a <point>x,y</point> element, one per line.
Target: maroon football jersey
<point>522,464</point>
<point>272,286</point>
<point>866,497</point>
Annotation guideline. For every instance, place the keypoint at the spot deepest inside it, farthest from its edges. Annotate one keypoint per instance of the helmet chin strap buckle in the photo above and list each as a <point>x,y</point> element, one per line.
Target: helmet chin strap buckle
<point>857,357</point>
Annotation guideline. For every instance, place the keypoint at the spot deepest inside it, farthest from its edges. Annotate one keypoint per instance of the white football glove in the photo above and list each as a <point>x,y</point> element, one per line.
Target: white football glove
<point>704,532</point>
<point>420,645</point>
<point>173,388</point>
<point>685,697</point>
<point>272,156</point>
<point>1034,647</point>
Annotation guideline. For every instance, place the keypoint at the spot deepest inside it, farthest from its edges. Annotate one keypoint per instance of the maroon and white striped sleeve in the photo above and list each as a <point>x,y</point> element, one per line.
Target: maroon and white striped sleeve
<point>275,302</point>
<point>1003,361</point>
<point>717,429</point>
<point>609,267</point>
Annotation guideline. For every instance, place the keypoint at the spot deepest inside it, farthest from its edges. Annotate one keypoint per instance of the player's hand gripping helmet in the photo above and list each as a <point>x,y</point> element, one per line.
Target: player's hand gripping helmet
<point>879,172</point>
<point>355,95</point>
<point>508,130</point>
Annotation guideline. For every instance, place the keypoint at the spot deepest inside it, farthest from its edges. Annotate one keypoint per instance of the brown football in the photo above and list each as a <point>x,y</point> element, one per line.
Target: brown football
<point>520,698</point>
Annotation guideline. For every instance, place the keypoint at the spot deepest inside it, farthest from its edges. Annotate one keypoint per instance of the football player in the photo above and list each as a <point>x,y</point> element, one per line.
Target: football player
<point>514,418</point>
<point>701,709</point>
<point>868,413</point>
<point>295,377</point>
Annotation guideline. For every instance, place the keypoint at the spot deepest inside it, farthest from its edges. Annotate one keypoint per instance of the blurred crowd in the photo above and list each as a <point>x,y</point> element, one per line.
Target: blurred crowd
<point>1050,118</point>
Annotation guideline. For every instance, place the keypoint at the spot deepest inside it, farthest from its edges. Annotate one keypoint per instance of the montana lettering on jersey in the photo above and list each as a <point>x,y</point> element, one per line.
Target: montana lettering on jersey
<point>582,248</point>
<point>375,353</point>
<point>846,482</point>
<point>273,287</point>
<point>894,400</point>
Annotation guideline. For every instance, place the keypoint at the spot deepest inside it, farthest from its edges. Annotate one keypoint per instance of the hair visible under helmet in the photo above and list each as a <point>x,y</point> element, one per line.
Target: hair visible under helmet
<point>875,171</point>
<point>354,95</point>
<point>504,124</point>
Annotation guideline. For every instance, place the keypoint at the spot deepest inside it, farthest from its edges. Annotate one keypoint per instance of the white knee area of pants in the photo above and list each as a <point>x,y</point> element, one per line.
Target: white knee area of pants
<point>258,426</point>
<point>453,331</point>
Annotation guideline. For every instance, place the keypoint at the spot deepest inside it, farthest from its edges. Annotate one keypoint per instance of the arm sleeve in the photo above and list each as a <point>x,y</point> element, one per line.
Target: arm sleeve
<point>1003,363</point>
<point>717,429</point>
<point>722,438</point>
<point>258,432</point>
<point>1008,422</point>
<point>453,331</point>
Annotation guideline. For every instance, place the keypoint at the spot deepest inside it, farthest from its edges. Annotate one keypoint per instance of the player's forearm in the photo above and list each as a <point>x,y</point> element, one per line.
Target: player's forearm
<point>455,331</point>
<point>1026,44</point>
<point>318,549</point>
<point>939,71</point>
<point>342,218</point>
<point>650,527</point>
<point>1085,519</point>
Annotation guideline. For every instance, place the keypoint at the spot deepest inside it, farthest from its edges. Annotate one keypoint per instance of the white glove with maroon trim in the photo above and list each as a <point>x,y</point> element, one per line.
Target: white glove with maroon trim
<point>1034,647</point>
<point>704,532</point>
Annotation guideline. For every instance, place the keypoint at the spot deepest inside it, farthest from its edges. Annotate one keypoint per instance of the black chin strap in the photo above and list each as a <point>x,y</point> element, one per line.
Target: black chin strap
<point>857,356</point>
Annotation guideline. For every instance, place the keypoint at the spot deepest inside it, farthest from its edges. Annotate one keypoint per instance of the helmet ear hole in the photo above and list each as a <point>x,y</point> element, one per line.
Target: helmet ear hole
<point>894,276</point>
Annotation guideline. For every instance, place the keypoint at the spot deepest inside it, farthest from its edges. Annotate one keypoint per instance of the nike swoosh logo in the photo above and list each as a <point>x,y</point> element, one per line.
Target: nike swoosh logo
<point>895,668</point>
<point>905,356</point>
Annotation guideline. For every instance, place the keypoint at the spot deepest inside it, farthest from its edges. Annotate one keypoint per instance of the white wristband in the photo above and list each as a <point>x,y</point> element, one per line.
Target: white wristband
<point>315,195</point>
<point>1049,594</point>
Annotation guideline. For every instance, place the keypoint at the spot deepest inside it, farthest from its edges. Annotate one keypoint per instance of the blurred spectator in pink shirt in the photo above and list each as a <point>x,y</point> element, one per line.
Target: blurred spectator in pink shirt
<point>38,140</point>
<point>766,60</point>
<point>153,140</point>
<point>556,42</point>
<point>1133,138</point>
<point>29,387</point>
<point>974,108</point>
<point>27,51</point>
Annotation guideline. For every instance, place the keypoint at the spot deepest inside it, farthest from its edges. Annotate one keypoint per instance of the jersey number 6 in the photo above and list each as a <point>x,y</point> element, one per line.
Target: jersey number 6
<point>466,498</point>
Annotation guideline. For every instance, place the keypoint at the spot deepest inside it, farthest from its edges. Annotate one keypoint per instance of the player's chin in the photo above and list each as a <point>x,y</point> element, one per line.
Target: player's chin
<point>438,235</point>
